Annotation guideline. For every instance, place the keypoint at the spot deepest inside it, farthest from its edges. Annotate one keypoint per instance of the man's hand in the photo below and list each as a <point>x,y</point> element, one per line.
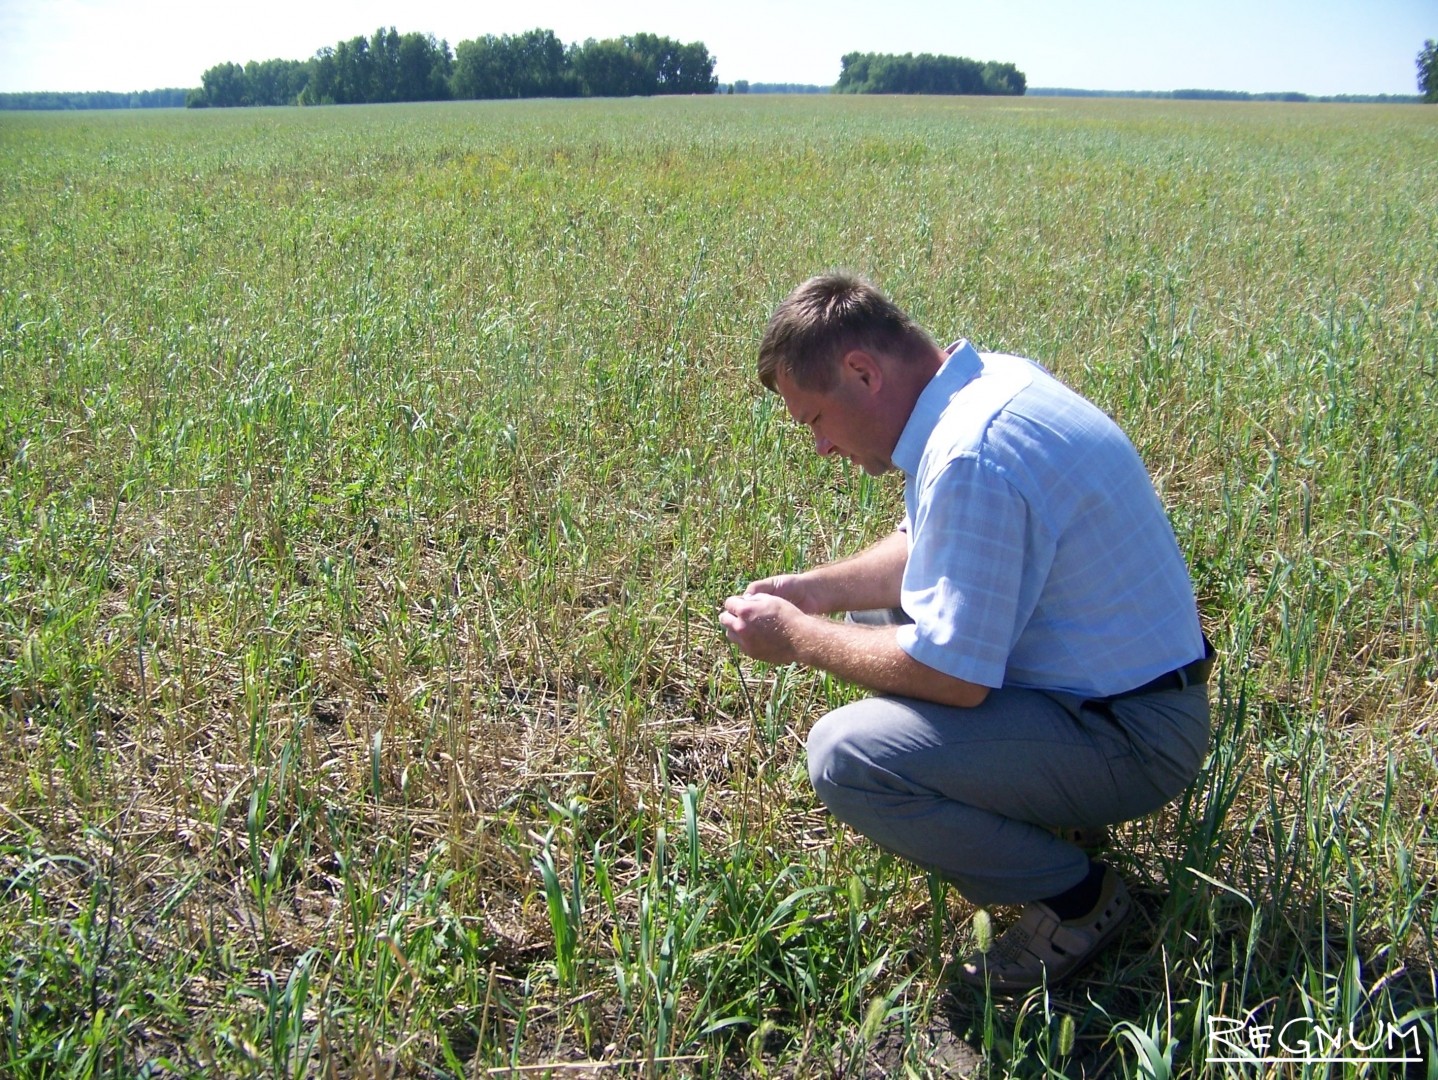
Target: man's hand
<point>794,588</point>
<point>770,627</point>
<point>763,624</point>
<point>868,580</point>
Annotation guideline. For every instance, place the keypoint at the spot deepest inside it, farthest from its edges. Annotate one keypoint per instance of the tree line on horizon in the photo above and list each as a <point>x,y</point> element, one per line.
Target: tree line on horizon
<point>172,97</point>
<point>391,67</point>
<point>415,67</point>
<point>926,73</point>
<point>1293,96</point>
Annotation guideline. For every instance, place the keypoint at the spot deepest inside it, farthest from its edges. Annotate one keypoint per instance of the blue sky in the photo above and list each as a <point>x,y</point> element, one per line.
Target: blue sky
<point>1312,46</point>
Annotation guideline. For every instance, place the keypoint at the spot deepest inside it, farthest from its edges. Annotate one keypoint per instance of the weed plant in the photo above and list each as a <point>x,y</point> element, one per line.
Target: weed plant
<point>370,479</point>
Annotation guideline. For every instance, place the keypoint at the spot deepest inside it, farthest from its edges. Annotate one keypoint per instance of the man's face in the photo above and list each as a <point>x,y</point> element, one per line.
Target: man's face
<point>845,419</point>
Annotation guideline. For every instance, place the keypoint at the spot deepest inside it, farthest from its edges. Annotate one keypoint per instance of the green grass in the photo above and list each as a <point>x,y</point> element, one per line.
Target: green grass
<point>370,479</point>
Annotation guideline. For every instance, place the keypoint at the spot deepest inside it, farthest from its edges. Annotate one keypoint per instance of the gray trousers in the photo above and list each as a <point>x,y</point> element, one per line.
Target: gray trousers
<point>974,794</point>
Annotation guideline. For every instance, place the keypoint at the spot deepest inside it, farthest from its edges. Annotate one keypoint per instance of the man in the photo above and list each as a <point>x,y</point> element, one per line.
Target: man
<point>1030,630</point>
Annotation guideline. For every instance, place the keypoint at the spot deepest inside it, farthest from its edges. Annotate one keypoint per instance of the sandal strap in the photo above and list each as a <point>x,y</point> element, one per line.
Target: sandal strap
<point>1041,945</point>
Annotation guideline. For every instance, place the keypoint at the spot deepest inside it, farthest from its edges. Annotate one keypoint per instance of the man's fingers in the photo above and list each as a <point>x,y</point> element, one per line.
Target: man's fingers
<point>731,620</point>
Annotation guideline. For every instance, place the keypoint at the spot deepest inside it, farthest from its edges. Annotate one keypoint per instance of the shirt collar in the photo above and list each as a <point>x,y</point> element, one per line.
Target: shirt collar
<point>962,365</point>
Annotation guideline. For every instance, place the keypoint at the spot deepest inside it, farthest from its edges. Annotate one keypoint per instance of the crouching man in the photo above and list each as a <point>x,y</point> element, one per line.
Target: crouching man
<point>1029,632</point>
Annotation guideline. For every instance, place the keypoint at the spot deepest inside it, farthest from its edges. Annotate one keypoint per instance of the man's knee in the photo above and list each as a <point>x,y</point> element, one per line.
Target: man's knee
<point>822,749</point>
<point>841,755</point>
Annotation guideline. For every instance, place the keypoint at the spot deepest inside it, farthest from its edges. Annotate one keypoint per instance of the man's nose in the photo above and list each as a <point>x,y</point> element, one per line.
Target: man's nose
<point>822,446</point>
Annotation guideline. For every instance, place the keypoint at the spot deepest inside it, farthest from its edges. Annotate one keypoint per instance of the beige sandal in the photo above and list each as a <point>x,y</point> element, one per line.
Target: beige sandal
<point>1041,942</point>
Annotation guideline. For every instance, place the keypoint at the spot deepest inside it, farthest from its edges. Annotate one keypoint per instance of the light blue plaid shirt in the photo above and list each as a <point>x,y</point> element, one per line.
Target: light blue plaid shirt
<point>1039,554</point>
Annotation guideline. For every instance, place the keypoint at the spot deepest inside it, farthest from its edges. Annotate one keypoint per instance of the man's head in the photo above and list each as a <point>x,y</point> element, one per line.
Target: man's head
<point>829,316</point>
<point>849,365</point>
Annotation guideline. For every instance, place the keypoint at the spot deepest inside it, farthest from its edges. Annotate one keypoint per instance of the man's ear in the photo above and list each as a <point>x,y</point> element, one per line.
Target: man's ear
<point>864,366</point>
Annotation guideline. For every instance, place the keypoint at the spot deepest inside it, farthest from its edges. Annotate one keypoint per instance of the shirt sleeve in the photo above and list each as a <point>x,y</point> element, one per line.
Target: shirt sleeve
<point>974,555</point>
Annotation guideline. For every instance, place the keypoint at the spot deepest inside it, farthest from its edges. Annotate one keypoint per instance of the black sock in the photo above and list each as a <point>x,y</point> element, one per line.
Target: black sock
<point>1082,898</point>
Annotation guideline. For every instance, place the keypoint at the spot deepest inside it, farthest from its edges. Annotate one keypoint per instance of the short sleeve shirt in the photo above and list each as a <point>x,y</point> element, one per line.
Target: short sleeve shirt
<point>1039,554</point>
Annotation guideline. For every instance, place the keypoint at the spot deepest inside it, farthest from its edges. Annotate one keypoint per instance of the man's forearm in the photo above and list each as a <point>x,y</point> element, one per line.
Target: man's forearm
<point>871,657</point>
<point>862,582</point>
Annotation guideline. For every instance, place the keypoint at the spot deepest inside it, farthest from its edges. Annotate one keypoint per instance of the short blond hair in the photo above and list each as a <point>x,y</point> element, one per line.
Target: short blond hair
<point>827,317</point>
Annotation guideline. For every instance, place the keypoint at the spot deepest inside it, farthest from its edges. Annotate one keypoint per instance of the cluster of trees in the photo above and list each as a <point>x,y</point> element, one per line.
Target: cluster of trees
<point>389,66</point>
<point>887,73</point>
<point>1428,71</point>
<point>169,98</point>
<point>537,64</point>
<point>269,82</point>
<point>385,67</point>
